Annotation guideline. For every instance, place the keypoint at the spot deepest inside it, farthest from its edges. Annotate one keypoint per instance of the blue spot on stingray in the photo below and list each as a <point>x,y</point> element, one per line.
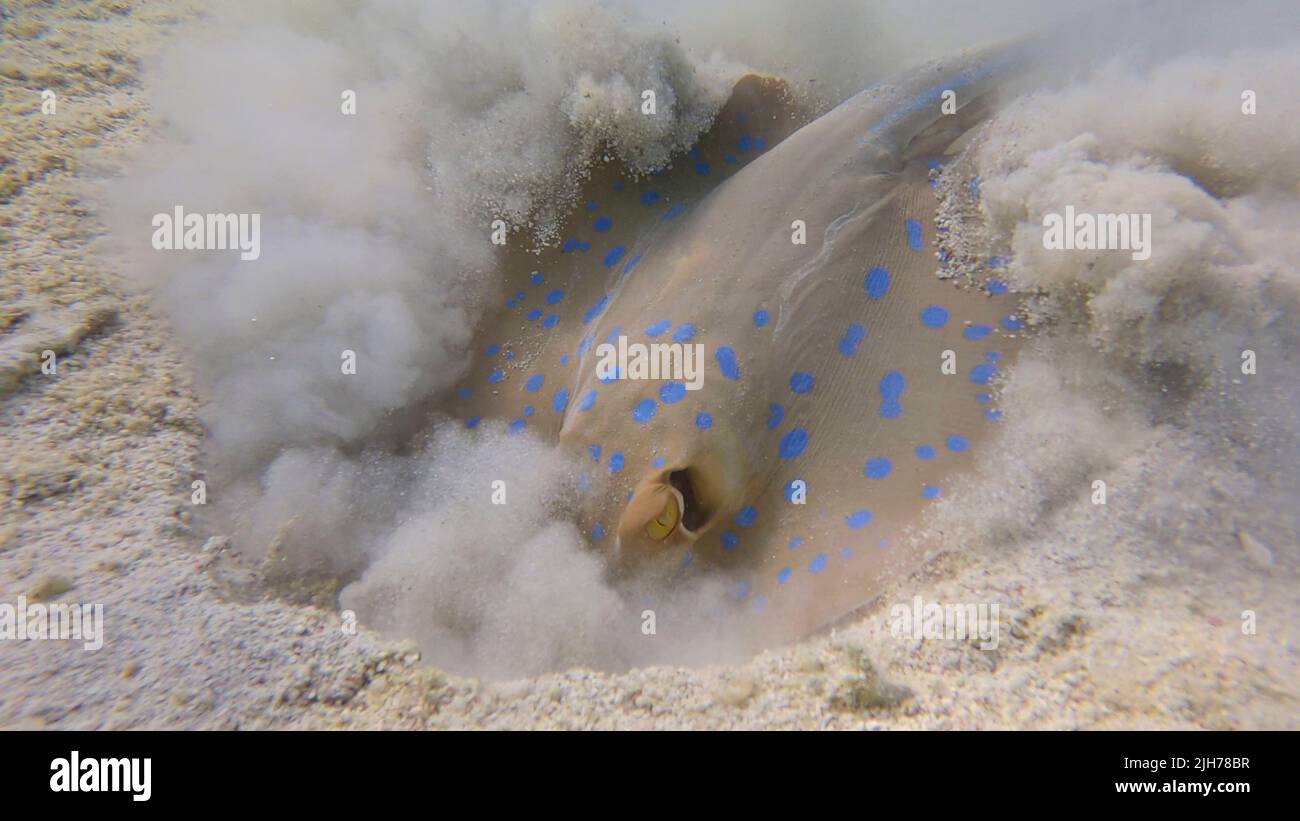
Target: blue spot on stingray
<point>925,452</point>
<point>619,186</point>
<point>614,255</point>
<point>534,315</point>
<point>818,564</point>
<point>585,345</point>
<point>519,296</point>
<point>997,262</point>
<point>473,421</point>
<point>528,411</point>
<point>957,444</point>
<point>730,159</point>
<point>877,283</point>
<point>745,144</point>
<point>614,377</point>
<point>852,338</point>
<point>555,296</point>
<point>775,413</point>
<point>613,335</point>
<point>796,542</point>
<point>561,400</point>
<point>760,318</point>
<point>975,186</point>
<point>510,355</point>
<point>659,462</point>
<point>684,333</point>
<point>702,168</point>
<point>1011,323</point>
<point>914,238</point>
<point>602,225</point>
<point>645,410</point>
<point>571,245</point>
<point>695,153</point>
<point>658,328</point>
<point>517,425</point>
<point>551,321</point>
<point>537,278</point>
<point>594,450</point>
<point>631,264</point>
<point>493,350</point>
<point>930,492</point>
<point>784,575</point>
<point>463,393</point>
<point>877,468</point>
<point>983,398</point>
<point>992,356</point>
<point>703,420</point>
<point>993,415</point>
<point>595,310</point>
<point>997,287</point>
<point>934,317</point>
<point>534,383</point>
<point>982,373</point>
<point>672,393</point>
<point>496,376</point>
<point>727,362</point>
<point>801,382</point>
<point>564,360</point>
<point>859,520</point>
<point>650,198</point>
<point>674,212</point>
<point>588,400</point>
<point>592,206</point>
<point>746,516</point>
<point>760,143</point>
<point>598,532</point>
<point>891,391</point>
<point>793,443</point>
<point>616,463</point>
<point>977,332</point>
<point>730,540</point>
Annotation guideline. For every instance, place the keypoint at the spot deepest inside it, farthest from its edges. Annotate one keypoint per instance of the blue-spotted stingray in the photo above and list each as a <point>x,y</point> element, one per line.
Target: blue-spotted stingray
<point>825,423</point>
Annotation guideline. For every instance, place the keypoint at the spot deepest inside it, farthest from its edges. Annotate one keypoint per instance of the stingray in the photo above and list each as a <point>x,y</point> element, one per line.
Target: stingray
<point>825,421</point>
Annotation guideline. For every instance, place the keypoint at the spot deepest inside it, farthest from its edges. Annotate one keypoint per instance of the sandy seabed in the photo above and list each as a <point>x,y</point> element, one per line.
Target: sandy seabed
<point>96,463</point>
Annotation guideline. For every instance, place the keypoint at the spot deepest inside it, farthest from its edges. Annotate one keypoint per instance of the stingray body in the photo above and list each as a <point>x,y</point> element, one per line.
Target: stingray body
<point>825,420</point>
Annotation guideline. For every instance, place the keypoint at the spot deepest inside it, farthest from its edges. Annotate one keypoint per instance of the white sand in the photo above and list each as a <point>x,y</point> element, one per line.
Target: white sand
<point>96,464</point>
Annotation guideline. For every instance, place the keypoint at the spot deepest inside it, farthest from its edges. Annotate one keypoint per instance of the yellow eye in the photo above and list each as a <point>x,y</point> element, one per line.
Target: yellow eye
<point>662,525</point>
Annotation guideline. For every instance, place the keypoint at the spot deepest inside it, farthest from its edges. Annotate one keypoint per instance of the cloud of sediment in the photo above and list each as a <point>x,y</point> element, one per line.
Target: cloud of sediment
<point>375,240</point>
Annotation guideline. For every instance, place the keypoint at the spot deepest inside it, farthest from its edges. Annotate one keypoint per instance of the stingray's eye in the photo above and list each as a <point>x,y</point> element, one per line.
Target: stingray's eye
<point>662,525</point>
